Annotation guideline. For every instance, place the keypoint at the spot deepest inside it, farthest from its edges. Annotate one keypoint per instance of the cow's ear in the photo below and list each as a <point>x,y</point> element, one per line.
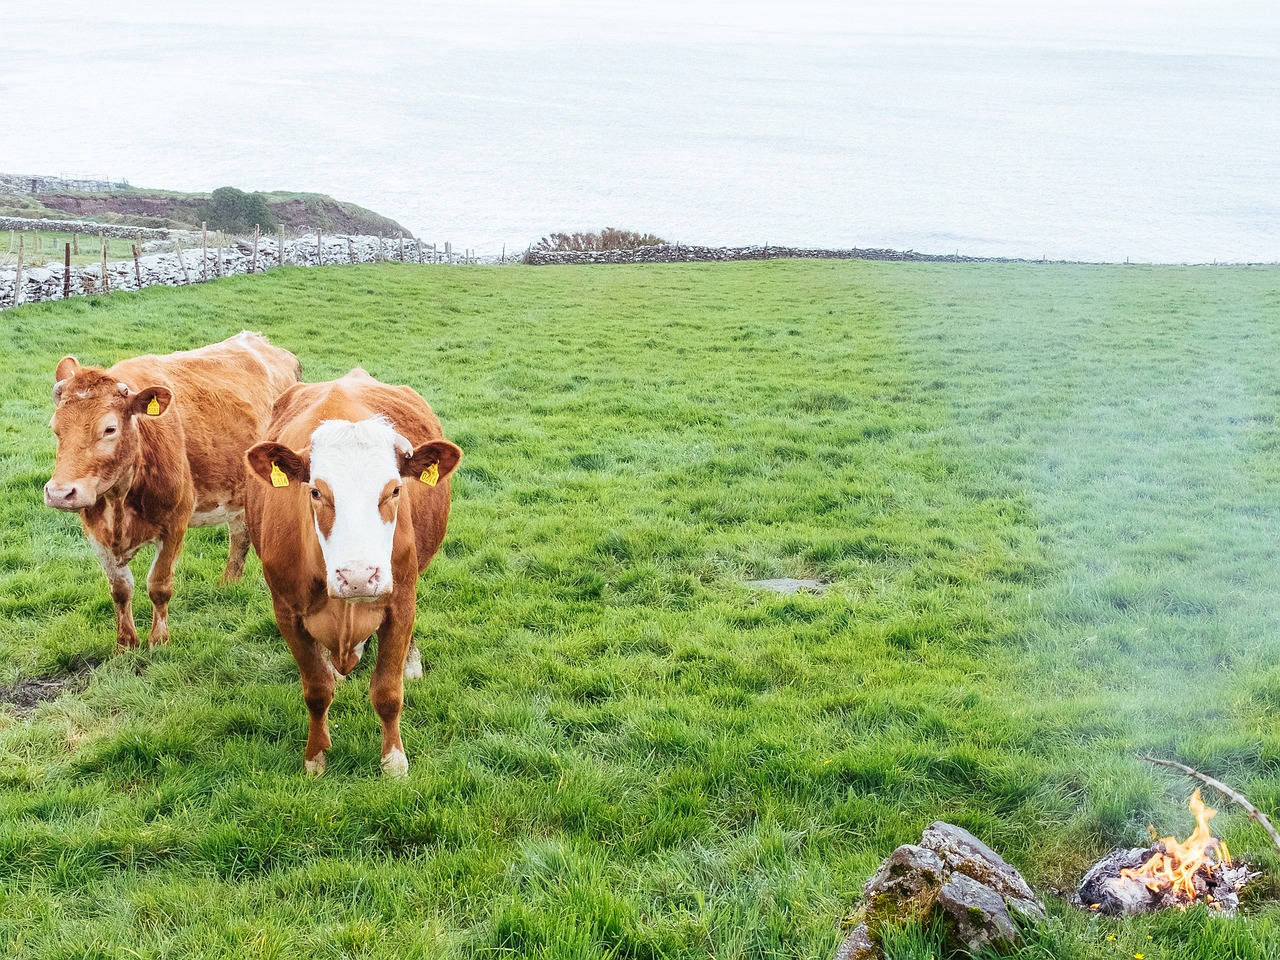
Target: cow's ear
<point>67,368</point>
<point>440,454</point>
<point>150,401</point>
<point>278,466</point>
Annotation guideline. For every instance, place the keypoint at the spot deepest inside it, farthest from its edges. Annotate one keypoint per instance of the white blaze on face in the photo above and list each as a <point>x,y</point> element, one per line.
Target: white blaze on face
<point>352,465</point>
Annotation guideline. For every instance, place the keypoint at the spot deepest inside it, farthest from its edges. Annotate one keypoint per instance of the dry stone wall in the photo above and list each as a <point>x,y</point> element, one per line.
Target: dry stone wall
<point>683,253</point>
<point>46,282</point>
<point>88,228</point>
<point>34,183</point>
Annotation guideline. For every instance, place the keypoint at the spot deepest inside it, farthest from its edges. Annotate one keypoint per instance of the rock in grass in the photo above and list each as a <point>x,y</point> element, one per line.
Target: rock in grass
<point>952,878</point>
<point>789,585</point>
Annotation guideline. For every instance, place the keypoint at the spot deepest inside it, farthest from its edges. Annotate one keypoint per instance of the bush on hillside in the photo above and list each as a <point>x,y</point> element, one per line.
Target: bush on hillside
<point>235,211</point>
<point>610,238</point>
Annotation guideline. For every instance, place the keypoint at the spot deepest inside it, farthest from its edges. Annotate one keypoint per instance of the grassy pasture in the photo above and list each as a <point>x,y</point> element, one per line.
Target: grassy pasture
<point>52,248</point>
<point>1048,499</point>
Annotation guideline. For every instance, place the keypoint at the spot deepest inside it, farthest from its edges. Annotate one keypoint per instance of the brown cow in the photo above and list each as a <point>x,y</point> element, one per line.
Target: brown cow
<point>351,507</point>
<point>156,444</point>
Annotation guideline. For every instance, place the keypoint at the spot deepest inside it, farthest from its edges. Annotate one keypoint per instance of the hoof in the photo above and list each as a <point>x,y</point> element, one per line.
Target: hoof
<point>413,666</point>
<point>395,763</point>
<point>315,766</point>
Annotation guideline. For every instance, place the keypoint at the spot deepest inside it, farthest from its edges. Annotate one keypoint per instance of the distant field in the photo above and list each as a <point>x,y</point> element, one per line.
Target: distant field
<point>40,247</point>
<point>1047,498</point>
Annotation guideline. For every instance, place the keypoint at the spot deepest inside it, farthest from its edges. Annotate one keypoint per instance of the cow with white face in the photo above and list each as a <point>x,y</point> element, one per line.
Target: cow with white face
<point>350,505</point>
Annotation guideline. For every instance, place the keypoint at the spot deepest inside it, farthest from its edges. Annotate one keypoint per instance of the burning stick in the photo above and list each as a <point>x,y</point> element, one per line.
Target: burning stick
<point>1226,791</point>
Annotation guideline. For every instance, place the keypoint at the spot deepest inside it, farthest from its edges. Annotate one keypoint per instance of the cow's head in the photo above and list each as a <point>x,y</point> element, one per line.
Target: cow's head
<point>93,419</point>
<point>353,475</point>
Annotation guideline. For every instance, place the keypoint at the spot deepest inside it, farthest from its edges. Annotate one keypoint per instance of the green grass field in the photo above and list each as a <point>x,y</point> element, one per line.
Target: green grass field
<point>1047,498</point>
<point>40,247</point>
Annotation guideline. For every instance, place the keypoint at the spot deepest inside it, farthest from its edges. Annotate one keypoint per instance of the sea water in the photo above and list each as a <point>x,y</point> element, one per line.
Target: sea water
<point>1103,132</point>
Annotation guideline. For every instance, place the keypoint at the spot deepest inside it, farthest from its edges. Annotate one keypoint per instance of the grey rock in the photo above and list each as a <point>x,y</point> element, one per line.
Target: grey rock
<point>789,585</point>
<point>858,946</point>
<point>950,876</point>
<point>976,915</point>
<point>965,853</point>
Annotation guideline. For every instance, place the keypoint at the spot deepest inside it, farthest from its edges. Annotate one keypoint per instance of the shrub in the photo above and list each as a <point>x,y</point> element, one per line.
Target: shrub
<point>610,238</point>
<point>236,211</point>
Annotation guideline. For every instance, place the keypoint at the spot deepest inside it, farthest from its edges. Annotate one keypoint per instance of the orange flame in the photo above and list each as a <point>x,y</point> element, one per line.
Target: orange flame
<point>1176,866</point>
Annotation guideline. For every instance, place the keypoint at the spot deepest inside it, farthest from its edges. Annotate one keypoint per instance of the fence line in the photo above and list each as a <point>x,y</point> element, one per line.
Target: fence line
<point>179,266</point>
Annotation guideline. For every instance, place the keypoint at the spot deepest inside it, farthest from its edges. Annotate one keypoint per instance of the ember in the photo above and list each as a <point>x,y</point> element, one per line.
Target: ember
<point>1167,874</point>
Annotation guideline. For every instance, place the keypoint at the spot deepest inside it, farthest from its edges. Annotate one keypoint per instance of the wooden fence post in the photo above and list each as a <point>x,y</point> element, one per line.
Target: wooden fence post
<point>17,280</point>
<point>402,248</point>
<point>319,250</point>
<point>204,250</point>
<point>66,273</point>
<point>253,266</point>
<point>106,282</point>
<point>75,244</point>
<point>137,268</point>
<point>280,248</point>
<point>218,266</point>
<point>182,261</point>
<point>351,250</point>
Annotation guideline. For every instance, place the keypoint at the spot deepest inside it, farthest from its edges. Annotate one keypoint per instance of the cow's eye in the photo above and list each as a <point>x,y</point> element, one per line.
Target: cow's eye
<point>315,494</point>
<point>108,431</point>
<point>395,492</point>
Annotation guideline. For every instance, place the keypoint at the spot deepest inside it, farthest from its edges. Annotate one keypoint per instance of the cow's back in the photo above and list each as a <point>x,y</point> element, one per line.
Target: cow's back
<point>224,395</point>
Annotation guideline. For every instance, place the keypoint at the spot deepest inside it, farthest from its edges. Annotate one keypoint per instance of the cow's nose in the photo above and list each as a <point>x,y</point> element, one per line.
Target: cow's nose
<point>359,580</point>
<point>62,496</point>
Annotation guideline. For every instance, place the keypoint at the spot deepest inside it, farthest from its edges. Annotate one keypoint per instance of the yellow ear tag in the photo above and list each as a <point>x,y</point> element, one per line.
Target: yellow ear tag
<point>431,475</point>
<point>278,479</point>
<point>153,408</point>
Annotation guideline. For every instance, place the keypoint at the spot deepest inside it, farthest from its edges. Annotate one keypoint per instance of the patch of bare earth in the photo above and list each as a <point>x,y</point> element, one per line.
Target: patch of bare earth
<point>26,693</point>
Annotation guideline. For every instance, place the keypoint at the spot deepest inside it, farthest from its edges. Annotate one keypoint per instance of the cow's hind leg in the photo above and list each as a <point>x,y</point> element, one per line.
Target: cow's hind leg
<point>160,584</point>
<point>237,549</point>
<point>318,679</point>
<point>120,581</point>
<point>386,690</point>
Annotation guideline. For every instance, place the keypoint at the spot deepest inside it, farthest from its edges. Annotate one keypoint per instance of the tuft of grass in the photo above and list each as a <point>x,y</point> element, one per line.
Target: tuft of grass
<point>1045,499</point>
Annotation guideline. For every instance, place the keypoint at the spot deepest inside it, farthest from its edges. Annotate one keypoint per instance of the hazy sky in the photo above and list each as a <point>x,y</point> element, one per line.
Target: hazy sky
<point>1018,128</point>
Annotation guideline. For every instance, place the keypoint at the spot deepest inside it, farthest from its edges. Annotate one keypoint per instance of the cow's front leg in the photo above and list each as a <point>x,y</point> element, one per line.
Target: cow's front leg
<point>386,688</point>
<point>317,687</point>
<point>237,549</point>
<point>160,584</point>
<point>413,662</point>
<point>120,581</point>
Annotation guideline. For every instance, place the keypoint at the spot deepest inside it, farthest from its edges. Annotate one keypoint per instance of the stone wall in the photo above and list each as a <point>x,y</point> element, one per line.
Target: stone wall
<point>682,253</point>
<point>46,282</point>
<point>33,183</point>
<point>89,228</point>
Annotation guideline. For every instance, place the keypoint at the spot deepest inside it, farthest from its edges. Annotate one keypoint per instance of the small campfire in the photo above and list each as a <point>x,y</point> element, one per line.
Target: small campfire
<point>1167,874</point>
